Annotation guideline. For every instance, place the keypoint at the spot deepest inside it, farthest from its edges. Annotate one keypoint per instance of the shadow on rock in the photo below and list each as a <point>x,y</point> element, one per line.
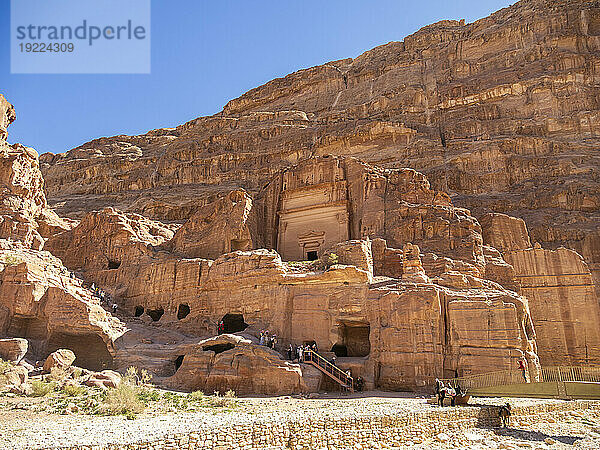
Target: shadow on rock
<point>535,435</point>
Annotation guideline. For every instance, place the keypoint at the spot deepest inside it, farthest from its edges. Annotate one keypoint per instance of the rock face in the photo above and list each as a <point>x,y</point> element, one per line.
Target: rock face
<point>24,213</point>
<point>558,283</point>
<point>13,350</point>
<point>220,227</point>
<point>40,301</point>
<point>505,233</point>
<point>233,362</point>
<point>563,304</point>
<point>501,113</point>
<point>7,116</point>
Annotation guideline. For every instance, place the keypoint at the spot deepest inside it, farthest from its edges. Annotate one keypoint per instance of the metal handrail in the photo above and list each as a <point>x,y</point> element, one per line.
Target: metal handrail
<point>331,369</point>
<point>515,376</point>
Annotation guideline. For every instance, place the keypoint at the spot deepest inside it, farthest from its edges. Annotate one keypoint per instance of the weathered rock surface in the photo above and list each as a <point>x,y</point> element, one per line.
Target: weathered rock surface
<point>563,304</point>
<point>217,228</point>
<point>60,359</point>
<point>42,302</point>
<point>502,113</point>
<point>13,349</point>
<point>106,239</point>
<point>233,362</point>
<point>559,285</point>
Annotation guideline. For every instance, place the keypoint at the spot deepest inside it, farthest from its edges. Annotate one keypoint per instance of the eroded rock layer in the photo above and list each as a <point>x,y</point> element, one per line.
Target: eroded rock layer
<point>502,113</point>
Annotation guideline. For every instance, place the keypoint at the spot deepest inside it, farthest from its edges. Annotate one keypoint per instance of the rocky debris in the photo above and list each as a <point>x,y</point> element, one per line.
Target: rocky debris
<point>234,362</point>
<point>13,349</point>
<point>377,420</point>
<point>60,359</point>
<point>105,379</point>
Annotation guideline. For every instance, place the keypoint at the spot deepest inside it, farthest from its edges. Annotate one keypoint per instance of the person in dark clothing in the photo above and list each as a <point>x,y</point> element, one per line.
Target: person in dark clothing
<point>290,352</point>
<point>221,328</point>
<point>504,414</point>
<point>360,384</point>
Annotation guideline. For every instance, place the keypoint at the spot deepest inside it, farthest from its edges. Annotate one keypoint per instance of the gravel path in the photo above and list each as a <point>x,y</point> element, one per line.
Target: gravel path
<point>23,429</point>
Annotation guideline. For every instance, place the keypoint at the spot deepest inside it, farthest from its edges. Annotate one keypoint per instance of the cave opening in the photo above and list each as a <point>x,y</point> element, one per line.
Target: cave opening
<point>156,314</point>
<point>340,350</point>
<point>354,338</point>
<point>233,323</point>
<point>178,362</point>
<point>139,310</point>
<point>90,350</point>
<point>183,311</point>
<point>312,255</point>
<point>218,348</point>
<point>113,264</point>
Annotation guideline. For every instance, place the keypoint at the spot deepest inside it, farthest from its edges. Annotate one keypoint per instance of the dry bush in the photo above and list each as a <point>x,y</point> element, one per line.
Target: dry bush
<point>41,388</point>
<point>74,390</point>
<point>5,367</point>
<point>227,400</point>
<point>57,374</point>
<point>122,400</point>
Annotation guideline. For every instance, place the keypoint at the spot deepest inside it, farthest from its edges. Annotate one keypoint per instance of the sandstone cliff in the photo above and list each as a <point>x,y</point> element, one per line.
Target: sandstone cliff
<point>502,113</point>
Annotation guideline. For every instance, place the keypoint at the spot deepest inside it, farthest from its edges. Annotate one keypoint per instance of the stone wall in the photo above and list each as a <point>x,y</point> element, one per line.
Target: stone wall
<point>354,432</point>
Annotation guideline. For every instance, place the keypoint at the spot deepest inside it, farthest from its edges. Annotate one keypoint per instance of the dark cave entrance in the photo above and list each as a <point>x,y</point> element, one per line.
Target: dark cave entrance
<point>178,362</point>
<point>113,264</point>
<point>183,311</point>
<point>312,255</point>
<point>340,350</point>
<point>156,314</point>
<point>354,339</point>
<point>90,350</point>
<point>218,348</point>
<point>139,310</point>
<point>233,323</point>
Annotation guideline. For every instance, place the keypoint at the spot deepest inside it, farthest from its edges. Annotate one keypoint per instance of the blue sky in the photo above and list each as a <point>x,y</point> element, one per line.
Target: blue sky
<point>205,53</point>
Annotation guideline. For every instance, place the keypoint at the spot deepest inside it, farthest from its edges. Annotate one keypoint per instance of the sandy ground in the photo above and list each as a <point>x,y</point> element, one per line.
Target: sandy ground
<point>21,427</point>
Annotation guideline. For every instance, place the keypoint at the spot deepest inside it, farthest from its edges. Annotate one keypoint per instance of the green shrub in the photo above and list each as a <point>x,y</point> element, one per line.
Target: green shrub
<point>42,388</point>
<point>197,396</point>
<point>74,390</point>
<point>122,400</point>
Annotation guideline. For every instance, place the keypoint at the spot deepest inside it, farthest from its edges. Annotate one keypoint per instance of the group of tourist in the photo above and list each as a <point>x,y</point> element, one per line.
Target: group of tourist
<point>104,297</point>
<point>268,340</point>
<point>299,352</point>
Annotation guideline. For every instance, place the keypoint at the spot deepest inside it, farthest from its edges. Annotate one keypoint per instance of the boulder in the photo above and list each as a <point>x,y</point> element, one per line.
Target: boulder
<point>61,359</point>
<point>104,379</point>
<point>13,349</point>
